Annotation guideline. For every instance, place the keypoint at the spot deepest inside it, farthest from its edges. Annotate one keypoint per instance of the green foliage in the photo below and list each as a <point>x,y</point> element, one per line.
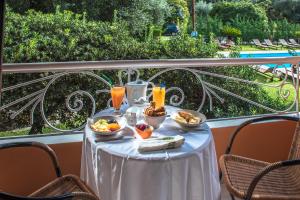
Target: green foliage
<point>203,8</point>
<point>38,5</point>
<point>288,9</point>
<point>209,25</point>
<point>184,46</point>
<point>250,29</point>
<point>231,31</point>
<point>284,29</point>
<point>227,11</point>
<point>180,9</point>
<point>141,14</point>
<point>64,36</point>
<point>297,34</point>
<point>179,13</point>
<point>265,4</point>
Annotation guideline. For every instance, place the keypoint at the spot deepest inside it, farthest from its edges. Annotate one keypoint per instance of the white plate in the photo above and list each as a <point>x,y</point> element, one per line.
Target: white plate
<point>195,113</point>
<point>121,122</point>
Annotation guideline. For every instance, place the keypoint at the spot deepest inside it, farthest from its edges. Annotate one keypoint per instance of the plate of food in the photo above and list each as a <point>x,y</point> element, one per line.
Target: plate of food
<point>106,125</point>
<point>188,118</point>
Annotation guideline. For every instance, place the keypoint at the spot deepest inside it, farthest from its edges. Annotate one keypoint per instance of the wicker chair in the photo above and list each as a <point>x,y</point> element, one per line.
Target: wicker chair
<point>252,179</point>
<point>67,187</point>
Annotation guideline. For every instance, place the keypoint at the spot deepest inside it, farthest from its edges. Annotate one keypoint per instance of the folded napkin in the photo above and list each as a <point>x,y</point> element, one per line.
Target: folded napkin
<point>160,143</point>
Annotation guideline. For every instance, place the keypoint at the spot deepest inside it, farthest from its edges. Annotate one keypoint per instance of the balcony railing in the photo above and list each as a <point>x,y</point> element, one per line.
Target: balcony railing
<point>60,96</point>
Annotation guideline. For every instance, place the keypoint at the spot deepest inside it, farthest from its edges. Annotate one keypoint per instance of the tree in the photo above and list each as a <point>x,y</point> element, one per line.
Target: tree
<point>289,9</point>
<point>24,5</point>
<point>203,9</point>
<point>140,14</point>
<point>243,9</point>
<point>179,12</point>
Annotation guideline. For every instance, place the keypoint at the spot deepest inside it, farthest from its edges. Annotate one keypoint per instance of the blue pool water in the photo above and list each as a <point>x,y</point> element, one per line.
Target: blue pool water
<point>269,55</point>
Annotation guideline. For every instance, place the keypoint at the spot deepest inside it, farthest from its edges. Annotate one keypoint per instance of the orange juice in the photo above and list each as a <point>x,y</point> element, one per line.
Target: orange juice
<point>159,94</point>
<point>117,95</point>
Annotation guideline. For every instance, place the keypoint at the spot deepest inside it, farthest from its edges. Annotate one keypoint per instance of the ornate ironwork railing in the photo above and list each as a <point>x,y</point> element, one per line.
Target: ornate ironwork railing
<point>35,90</point>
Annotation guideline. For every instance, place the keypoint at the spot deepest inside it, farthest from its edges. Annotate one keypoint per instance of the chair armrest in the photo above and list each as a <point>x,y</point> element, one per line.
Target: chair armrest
<point>38,145</point>
<point>251,121</point>
<point>265,171</point>
<point>6,196</point>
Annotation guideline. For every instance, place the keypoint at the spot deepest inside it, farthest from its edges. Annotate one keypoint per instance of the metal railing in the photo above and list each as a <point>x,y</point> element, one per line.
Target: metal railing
<point>202,72</point>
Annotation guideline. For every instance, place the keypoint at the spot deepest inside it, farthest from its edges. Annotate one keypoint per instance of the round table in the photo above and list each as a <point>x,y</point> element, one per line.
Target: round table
<point>116,170</point>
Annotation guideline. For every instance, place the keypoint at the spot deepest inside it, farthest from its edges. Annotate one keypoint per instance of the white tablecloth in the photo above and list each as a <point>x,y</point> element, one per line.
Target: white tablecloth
<point>115,170</point>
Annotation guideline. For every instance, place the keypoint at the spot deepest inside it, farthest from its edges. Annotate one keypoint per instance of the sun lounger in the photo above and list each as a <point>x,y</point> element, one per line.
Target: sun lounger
<point>270,44</point>
<point>228,42</point>
<point>259,45</point>
<point>293,42</point>
<point>285,44</point>
<point>221,46</point>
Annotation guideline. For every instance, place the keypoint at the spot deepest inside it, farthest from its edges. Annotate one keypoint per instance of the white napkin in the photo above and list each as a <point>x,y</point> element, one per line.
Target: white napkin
<point>160,143</point>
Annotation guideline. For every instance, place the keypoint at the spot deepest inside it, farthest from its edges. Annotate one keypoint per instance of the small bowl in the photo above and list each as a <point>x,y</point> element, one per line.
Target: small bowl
<point>155,121</point>
<point>146,133</point>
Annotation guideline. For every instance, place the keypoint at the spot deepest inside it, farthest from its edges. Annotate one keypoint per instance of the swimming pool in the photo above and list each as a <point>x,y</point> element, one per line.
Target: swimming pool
<point>266,54</point>
<point>269,55</point>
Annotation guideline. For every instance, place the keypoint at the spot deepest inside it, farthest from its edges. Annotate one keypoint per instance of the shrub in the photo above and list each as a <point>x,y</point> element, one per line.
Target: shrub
<point>231,31</point>
<point>249,28</point>
<point>139,14</point>
<point>64,36</point>
<point>210,25</point>
<point>244,9</point>
<point>184,46</point>
<point>297,34</point>
<point>285,29</point>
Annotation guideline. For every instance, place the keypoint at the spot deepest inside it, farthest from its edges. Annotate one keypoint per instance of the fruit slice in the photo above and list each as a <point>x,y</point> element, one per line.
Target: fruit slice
<point>113,126</point>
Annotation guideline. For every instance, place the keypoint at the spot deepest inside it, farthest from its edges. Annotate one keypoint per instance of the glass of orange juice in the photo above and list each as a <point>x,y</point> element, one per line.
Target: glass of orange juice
<point>117,95</point>
<point>159,93</point>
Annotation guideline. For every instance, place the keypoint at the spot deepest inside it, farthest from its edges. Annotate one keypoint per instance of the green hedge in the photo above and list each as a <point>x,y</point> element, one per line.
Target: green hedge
<point>65,36</point>
<point>250,28</point>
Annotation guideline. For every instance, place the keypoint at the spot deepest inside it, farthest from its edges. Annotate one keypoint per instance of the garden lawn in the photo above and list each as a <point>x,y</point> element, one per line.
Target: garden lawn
<point>253,48</point>
<point>274,92</point>
<point>25,131</point>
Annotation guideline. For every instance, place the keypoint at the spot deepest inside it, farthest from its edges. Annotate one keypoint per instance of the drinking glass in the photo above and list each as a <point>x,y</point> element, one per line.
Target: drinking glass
<point>159,93</point>
<point>117,95</point>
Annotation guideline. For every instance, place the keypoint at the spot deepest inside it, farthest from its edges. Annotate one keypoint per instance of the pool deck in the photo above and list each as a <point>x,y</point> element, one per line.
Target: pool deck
<point>226,53</point>
<point>286,71</point>
<point>268,51</point>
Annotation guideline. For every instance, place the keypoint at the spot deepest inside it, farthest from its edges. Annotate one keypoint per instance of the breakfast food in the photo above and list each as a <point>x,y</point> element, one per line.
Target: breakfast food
<point>104,125</point>
<point>154,112</point>
<point>144,130</point>
<point>188,118</point>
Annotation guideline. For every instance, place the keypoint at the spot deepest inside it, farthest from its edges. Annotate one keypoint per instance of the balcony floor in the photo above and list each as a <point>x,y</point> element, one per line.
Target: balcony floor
<point>224,194</point>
